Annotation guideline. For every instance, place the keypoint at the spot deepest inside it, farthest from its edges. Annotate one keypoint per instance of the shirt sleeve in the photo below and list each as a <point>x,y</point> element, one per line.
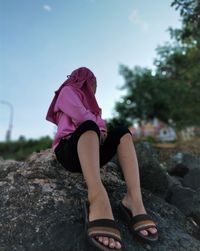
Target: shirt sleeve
<point>70,103</point>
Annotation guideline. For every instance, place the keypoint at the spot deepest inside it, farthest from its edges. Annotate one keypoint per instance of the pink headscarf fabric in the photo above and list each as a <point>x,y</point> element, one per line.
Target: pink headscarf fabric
<point>82,80</point>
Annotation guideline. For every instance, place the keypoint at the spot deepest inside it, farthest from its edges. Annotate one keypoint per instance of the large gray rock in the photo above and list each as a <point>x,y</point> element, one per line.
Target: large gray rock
<point>184,164</point>
<point>182,198</point>
<point>186,159</point>
<point>41,209</point>
<point>179,170</point>
<point>153,176</point>
<point>192,179</point>
<point>183,183</point>
<point>196,207</point>
<point>183,193</point>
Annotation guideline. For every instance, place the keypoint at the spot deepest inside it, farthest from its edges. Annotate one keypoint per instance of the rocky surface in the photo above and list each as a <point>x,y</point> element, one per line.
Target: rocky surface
<point>184,183</point>
<point>41,206</point>
<point>152,175</point>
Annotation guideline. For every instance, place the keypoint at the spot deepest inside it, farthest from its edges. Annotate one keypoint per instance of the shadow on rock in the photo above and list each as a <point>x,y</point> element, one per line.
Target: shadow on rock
<point>41,209</point>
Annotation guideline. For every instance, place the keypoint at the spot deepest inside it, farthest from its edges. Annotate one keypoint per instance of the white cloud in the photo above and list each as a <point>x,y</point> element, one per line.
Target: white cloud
<point>47,8</point>
<point>136,19</point>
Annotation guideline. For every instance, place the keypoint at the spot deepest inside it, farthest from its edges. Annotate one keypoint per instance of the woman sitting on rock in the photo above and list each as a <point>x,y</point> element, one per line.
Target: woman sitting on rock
<point>83,144</point>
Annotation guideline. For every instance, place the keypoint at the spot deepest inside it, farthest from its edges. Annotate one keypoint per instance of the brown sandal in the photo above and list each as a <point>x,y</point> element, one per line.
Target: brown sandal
<point>138,223</point>
<point>102,227</point>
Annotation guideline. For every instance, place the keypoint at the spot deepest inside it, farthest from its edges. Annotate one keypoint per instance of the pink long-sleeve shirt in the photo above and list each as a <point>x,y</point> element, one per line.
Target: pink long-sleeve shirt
<point>71,112</point>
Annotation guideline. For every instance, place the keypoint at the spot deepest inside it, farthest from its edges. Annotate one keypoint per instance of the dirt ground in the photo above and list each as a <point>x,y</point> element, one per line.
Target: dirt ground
<point>192,146</point>
<point>165,150</point>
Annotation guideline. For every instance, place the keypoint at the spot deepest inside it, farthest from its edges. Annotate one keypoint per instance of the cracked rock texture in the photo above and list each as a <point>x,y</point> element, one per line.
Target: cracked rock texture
<point>41,206</point>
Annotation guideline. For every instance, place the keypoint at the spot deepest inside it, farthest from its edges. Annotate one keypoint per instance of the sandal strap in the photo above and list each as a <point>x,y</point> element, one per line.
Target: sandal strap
<point>104,227</point>
<point>142,222</point>
<point>103,222</point>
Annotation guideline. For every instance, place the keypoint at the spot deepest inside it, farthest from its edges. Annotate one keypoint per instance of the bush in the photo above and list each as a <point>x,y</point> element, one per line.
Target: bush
<point>22,148</point>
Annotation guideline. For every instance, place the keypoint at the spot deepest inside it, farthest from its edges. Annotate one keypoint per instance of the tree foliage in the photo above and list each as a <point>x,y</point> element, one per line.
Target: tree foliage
<point>172,92</point>
<point>22,148</point>
<point>190,13</point>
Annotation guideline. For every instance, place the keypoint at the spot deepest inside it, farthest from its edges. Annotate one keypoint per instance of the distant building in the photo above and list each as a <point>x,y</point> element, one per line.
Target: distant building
<point>167,134</point>
<point>155,128</point>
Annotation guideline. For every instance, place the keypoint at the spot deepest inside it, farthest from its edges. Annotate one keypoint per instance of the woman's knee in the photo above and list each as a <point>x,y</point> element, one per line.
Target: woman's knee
<point>118,132</point>
<point>89,125</point>
<point>121,131</point>
<point>126,136</point>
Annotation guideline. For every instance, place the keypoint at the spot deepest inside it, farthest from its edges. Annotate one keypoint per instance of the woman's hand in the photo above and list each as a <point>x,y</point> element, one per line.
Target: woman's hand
<point>103,137</point>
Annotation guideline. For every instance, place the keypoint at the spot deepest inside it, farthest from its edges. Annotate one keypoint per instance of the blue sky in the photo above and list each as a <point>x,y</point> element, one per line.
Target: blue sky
<point>42,41</point>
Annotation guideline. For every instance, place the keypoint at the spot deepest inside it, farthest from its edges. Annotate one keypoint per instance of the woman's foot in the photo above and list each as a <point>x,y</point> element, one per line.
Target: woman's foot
<point>100,209</point>
<point>128,202</point>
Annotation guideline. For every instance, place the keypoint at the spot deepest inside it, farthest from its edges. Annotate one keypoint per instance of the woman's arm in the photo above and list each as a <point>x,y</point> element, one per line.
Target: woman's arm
<point>70,103</point>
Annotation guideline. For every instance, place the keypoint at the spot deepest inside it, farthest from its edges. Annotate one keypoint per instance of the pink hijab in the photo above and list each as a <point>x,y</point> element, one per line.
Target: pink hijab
<point>82,80</point>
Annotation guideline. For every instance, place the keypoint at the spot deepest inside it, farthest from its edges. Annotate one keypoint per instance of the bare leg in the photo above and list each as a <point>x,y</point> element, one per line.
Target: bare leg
<point>128,160</point>
<point>88,152</point>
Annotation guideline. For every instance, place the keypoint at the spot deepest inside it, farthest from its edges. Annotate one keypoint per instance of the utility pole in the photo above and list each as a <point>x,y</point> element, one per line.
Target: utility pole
<point>10,125</point>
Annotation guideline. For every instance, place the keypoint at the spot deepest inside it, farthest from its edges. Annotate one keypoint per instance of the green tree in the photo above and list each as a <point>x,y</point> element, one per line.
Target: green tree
<point>173,91</point>
<point>148,95</point>
<point>190,13</point>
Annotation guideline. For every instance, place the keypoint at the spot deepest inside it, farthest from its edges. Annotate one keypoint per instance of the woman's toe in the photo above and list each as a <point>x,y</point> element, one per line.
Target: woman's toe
<point>105,241</point>
<point>100,239</point>
<point>152,230</point>
<point>144,232</point>
<point>118,245</point>
<point>111,243</point>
